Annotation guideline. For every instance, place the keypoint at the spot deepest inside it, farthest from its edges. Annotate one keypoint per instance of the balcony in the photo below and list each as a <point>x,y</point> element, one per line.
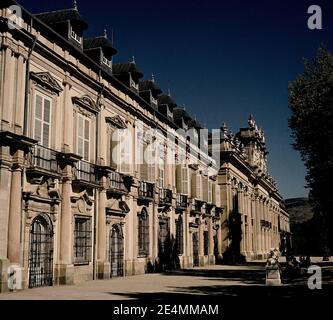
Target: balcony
<point>197,206</point>
<point>165,197</point>
<point>85,173</point>
<point>115,182</point>
<point>146,190</point>
<point>181,201</point>
<point>44,160</point>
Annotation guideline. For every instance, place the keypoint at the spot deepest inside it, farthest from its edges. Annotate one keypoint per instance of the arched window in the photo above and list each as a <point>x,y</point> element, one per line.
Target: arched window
<point>143,225</point>
<point>180,235</point>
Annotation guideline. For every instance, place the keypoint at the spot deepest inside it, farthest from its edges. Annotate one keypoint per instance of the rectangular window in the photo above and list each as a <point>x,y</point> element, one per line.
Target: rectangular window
<point>42,128</point>
<point>75,36</point>
<point>107,62</point>
<point>83,137</point>
<point>161,177</point>
<point>82,240</point>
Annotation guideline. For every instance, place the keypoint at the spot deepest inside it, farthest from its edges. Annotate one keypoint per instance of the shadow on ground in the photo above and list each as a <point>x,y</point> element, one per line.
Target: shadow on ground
<point>249,284</point>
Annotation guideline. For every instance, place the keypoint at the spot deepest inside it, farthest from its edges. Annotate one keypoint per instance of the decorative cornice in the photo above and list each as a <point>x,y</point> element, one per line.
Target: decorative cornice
<point>87,103</point>
<point>46,80</point>
<point>116,121</point>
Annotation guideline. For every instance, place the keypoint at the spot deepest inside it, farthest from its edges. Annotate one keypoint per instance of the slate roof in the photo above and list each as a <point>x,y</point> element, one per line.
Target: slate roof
<point>59,16</point>
<point>166,99</point>
<point>99,42</point>
<point>149,85</point>
<point>181,113</point>
<point>130,67</point>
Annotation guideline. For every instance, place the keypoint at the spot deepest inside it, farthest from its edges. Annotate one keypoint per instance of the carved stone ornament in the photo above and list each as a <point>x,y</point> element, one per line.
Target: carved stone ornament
<point>45,79</point>
<point>87,103</point>
<point>116,121</point>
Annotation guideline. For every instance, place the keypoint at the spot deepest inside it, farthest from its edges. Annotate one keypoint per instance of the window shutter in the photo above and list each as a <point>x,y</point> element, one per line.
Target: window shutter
<point>214,193</point>
<point>205,188</point>
<point>198,186</point>
<point>179,179</point>
<point>125,153</point>
<point>194,185</point>
<point>113,148</point>
<point>184,180</point>
<point>80,141</point>
<point>210,187</point>
<point>42,120</point>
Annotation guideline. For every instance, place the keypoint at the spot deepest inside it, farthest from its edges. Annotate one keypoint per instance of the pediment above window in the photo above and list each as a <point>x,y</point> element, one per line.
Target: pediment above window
<point>87,103</point>
<point>45,79</point>
<point>116,121</point>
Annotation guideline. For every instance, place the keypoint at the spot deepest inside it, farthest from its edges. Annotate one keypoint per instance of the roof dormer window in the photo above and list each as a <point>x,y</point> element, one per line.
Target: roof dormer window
<point>134,85</point>
<point>153,100</point>
<point>75,36</point>
<point>107,62</point>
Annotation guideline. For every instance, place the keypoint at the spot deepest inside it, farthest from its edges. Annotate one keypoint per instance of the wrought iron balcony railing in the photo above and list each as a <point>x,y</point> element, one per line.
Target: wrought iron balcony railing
<point>165,196</point>
<point>146,190</point>
<point>181,201</point>
<point>45,159</point>
<point>115,182</point>
<point>85,172</point>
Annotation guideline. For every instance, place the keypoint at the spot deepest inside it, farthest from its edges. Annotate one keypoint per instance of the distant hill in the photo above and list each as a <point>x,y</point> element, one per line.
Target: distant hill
<point>305,226</point>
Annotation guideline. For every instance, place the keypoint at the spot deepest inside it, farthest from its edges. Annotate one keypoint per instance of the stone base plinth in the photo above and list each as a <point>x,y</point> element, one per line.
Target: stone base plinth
<point>103,270</point>
<point>4,265</point>
<point>64,274</point>
<point>273,277</point>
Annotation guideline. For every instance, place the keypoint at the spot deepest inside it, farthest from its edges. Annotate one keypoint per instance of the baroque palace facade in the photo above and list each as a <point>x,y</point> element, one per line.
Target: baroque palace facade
<point>71,211</point>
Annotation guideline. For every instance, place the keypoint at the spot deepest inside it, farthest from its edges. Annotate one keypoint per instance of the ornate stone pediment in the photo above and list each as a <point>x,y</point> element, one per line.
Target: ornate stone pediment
<point>81,203</point>
<point>87,103</point>
<point>116,121</point>
<point>117,207</point>
<point>45,79</point>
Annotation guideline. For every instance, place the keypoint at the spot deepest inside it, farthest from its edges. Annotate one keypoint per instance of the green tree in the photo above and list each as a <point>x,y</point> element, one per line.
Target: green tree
<point>311,122</point>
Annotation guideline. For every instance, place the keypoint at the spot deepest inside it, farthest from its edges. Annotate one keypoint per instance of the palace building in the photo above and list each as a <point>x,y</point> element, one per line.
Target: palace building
<point>79,202</point>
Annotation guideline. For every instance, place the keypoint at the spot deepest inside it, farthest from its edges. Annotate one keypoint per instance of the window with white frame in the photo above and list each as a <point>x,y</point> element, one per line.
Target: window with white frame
<point>42,127</point>
<point>75,36</point>
<point>83,137</point>
<point>107,62</point>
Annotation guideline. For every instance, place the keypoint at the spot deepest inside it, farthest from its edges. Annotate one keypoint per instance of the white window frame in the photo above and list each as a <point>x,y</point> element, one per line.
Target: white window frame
<point>44,97</point>
<point>84,118</point>
<point>75,36</point>
<point>106,61</point>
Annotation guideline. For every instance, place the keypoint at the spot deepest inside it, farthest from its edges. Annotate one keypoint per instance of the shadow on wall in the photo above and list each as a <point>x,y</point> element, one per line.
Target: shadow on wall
<point>233,253</point>
<point>168,258</point>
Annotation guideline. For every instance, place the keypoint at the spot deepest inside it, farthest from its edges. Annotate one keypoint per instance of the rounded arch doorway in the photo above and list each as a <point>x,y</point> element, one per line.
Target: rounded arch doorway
<point>41,252</point>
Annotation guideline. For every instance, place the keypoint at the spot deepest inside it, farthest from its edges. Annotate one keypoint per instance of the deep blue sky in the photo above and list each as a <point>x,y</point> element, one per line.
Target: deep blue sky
<point>222,59</point>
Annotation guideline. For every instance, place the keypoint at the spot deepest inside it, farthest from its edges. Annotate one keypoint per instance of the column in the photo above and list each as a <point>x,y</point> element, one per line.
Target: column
<point>66,268</point>
<point>103,270</point>
<point>211,241</point>
<point>258,226</point>
<point>5,186</point>
<point>201,242</point>
<point>14,223</point>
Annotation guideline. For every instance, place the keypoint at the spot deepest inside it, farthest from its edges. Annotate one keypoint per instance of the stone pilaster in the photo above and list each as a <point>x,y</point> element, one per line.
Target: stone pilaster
<point>65,268</point>
<point>103,266</point>
<point>5,186</point>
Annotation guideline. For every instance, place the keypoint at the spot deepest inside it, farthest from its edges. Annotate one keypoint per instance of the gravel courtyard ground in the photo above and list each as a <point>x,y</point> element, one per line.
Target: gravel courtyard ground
<point>241,281</point>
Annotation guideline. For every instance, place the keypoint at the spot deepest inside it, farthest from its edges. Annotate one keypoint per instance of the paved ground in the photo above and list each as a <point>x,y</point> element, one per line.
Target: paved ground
<point>212,281</point>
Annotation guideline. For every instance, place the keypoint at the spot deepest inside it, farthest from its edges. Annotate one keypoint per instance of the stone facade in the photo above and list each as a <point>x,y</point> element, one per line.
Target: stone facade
<point>70,212</point>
